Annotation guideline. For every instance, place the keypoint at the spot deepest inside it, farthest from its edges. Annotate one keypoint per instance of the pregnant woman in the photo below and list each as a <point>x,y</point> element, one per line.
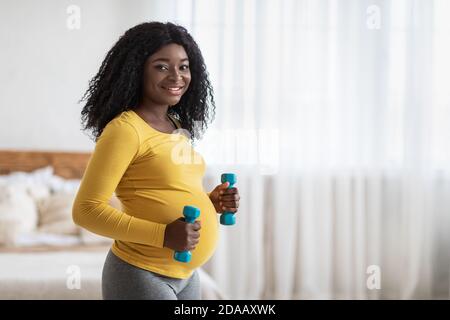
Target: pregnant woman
<point>144,107</point>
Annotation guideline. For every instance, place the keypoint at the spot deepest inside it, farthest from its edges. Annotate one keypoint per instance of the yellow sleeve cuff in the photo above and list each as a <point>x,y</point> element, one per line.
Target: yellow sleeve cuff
<point>148,232</point>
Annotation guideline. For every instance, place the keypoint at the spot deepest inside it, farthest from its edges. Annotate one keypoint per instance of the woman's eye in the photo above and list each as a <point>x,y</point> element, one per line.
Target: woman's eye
<point>162,67</point>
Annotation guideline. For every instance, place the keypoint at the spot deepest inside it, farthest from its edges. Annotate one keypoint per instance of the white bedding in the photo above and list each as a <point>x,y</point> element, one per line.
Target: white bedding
<point>53,275</point>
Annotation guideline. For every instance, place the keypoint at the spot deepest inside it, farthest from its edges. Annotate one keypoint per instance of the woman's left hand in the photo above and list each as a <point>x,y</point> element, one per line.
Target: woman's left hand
<point>225,199</point>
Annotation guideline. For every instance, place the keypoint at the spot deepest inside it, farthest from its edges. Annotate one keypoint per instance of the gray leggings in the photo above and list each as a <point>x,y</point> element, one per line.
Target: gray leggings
<point>123,281</point>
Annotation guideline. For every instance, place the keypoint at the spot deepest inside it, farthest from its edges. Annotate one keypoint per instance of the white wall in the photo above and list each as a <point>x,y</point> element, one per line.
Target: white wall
<point>45,66</point>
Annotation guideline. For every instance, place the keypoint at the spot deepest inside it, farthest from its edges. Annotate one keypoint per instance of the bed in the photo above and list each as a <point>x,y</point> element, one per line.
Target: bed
<point>56,266</point>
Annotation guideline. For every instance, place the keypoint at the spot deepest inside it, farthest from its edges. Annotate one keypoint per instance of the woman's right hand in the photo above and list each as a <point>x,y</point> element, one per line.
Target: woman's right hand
<point>182,236</point>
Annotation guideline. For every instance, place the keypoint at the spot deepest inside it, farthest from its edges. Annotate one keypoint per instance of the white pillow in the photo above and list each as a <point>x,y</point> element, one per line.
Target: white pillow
<point>36,182</point>
<point>55,217</point>
<point>38,176</point>
<point>58,184</point>
<point>18,213</point>
<point>55,214</point>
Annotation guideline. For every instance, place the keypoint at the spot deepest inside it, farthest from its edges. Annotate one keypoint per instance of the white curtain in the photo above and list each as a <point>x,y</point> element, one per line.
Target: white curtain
<point>335,117</point>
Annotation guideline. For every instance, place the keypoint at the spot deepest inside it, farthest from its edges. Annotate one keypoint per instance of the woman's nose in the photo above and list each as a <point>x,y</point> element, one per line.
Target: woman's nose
<point>175,74</point>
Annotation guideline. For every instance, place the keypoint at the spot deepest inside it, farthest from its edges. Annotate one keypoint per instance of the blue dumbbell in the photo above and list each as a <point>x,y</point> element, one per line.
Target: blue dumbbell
<point>190,214</point>
<point>227,218</point>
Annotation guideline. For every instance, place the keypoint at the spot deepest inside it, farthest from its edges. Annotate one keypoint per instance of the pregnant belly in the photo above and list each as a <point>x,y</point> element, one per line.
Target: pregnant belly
<point>165,207</point>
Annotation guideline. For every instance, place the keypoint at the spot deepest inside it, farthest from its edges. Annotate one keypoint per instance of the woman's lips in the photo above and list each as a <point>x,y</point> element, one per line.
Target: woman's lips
<point>173,91</point>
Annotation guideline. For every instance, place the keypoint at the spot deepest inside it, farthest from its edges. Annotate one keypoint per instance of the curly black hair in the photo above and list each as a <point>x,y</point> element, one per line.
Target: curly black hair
<point>117,86</point>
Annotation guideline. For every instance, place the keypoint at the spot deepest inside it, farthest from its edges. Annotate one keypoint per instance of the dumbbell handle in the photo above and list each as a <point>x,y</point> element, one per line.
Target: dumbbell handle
<point>227,218</point>
<point>190,215</point>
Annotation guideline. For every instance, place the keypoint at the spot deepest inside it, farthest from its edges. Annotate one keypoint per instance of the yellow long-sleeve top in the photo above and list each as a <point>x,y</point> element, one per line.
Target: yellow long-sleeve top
<point>154,175</point>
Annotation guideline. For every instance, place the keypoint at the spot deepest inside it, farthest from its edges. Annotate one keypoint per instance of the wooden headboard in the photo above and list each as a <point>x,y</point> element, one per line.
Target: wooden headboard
<point>69,165</point>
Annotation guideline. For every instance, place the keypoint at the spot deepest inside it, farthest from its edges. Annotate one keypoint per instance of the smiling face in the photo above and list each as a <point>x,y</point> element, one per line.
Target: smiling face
<point>166,75</point>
